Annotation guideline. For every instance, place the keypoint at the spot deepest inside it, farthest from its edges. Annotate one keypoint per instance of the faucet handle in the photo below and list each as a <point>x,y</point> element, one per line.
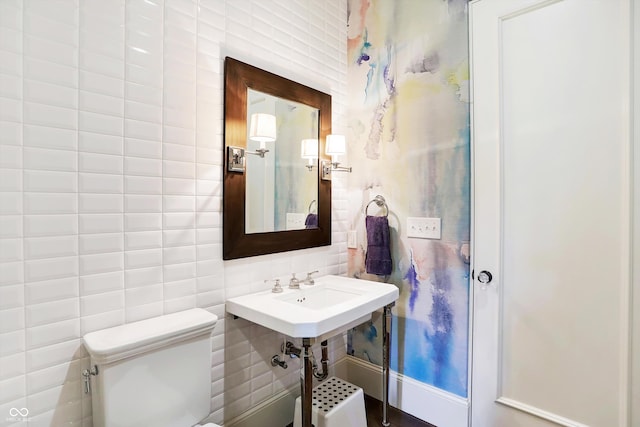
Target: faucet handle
<point>309,280</point>
<point>277,288</point>
<point>294,283</point>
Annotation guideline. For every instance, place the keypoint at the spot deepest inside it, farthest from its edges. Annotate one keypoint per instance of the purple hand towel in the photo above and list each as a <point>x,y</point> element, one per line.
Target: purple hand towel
<point>378,258</point>
<point>311,221</point>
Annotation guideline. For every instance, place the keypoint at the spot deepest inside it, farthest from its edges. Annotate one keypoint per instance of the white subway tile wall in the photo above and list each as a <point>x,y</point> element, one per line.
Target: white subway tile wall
<point>111,154</point>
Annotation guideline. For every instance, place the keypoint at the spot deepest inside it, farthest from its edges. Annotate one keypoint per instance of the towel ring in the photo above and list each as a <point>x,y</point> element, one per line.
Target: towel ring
<point>310,205</point>
<point>381,202</point>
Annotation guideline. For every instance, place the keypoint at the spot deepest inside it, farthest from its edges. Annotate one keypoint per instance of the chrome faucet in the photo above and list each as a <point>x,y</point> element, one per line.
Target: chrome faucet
<point>309,280</point>
<point>294,283</point>
<point>277,288</point>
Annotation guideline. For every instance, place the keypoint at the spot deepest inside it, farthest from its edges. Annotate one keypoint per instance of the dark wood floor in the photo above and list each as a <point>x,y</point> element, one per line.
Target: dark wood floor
<point>396,417</point>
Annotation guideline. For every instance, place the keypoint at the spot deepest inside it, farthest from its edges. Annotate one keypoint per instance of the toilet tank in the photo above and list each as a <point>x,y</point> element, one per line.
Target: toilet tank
<point>155,372</point>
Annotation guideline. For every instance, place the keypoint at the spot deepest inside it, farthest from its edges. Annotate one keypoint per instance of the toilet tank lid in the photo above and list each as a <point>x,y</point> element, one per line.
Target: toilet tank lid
<point>119,342</point>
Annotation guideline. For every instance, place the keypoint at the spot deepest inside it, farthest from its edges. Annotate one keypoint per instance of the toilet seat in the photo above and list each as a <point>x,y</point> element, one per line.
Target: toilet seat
<point>207,425</point>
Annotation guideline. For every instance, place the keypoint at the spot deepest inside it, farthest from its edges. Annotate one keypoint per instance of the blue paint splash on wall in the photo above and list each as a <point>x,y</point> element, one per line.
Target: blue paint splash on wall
<point>371,333</point>
<point>442,319</point>
<point>364,55</point>
<point>433,363</point>
<point>412,278</point>
<point>370,75</point>
<point>387,75</point>
<point>425,368</point>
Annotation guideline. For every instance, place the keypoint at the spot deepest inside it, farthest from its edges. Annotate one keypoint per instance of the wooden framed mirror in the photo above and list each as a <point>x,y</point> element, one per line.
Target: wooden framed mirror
<point>274,199</point>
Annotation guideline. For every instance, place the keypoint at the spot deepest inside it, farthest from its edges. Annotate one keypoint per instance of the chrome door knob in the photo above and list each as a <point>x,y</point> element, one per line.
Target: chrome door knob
<point>485,277</point>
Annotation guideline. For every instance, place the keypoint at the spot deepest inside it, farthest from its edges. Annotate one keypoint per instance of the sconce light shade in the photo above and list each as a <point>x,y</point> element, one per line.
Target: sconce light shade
<point>335,145</point>
<point>262,127</point>
<point>309,149</point>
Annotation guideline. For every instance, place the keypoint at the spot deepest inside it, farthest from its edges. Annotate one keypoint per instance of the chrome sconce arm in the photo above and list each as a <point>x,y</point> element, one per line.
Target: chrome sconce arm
<point>259,152</point>
<point>336,145</point>
<point>329,167</point>
<point>335,166</point>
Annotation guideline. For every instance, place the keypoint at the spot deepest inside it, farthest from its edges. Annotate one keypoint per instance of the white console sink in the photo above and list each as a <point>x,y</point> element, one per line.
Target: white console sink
<point>331,306</point>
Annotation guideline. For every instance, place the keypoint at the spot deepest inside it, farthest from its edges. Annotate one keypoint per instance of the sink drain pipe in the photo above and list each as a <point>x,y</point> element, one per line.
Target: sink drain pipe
<point>324,361</point>
<point>288,348</point>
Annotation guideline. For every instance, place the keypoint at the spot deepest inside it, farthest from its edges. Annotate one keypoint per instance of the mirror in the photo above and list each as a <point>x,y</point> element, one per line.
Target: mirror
<point>281,190</point>
<point>273,198</point>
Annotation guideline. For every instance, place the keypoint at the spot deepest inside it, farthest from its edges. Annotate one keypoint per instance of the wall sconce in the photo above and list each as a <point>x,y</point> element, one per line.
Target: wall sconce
<point>309,150</point>
<point>335,146</point>
<point>262,128</point>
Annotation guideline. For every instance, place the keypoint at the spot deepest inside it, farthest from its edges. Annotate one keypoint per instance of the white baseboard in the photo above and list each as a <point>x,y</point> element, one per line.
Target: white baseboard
<point>413,397</point>
<point>277,411</point>
<point>423,401</point>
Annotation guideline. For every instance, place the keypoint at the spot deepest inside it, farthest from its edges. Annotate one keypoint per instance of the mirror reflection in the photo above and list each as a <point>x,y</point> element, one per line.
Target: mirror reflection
<point>282,179</point>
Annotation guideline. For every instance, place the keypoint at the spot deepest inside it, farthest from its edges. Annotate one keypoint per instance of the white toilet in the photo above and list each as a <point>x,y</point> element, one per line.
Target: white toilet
<point>155,372</point>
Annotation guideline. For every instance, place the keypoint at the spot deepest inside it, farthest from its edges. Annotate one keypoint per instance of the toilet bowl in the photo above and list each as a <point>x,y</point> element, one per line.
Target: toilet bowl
<point>166,357</point>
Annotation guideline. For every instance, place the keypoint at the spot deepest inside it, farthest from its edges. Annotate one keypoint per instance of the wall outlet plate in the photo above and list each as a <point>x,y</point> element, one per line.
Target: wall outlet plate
<point>352,239</point>
<point>295,221</point>
<point>424,228</point>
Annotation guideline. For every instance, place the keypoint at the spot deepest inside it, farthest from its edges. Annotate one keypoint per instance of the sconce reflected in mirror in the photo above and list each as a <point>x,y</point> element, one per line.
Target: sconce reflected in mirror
<point>335,146</point>
<point>309,150</point>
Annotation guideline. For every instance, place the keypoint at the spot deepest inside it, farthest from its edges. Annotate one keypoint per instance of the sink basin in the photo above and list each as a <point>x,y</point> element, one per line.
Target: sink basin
<point>331,306</point>
<point>319,298</point>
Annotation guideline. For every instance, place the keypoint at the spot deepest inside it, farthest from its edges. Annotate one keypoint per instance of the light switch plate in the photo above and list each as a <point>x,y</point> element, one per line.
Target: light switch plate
<point>424,228</point>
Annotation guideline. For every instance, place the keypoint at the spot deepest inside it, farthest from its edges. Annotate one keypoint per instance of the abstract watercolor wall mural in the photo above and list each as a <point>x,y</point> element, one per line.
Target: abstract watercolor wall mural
<point>408,134</point>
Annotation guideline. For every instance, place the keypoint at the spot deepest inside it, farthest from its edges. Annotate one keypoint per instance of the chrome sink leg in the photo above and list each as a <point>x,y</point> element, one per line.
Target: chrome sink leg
<point>306,383</point>
<point>386,353</point>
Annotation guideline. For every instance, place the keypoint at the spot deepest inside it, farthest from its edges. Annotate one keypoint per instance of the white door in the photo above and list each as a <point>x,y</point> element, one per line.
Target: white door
<point>551,160</point>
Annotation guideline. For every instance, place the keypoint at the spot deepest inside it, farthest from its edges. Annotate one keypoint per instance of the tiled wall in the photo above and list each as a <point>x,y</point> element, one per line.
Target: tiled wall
<point>111,148</point>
